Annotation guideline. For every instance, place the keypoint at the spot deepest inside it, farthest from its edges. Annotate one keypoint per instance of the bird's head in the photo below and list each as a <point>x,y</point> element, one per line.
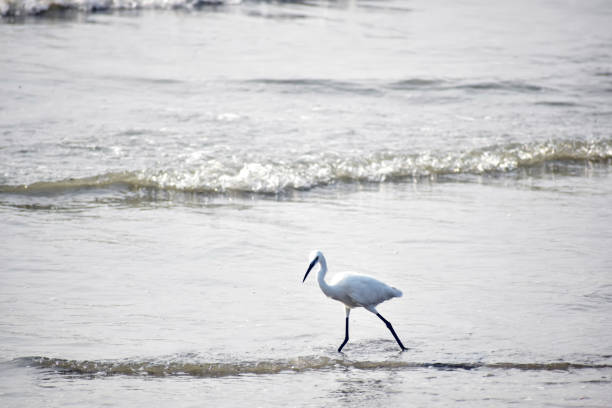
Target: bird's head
<point>314,257</point>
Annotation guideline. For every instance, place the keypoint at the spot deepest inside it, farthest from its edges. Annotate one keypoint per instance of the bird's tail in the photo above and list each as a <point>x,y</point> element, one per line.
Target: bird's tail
<point>396,292</point>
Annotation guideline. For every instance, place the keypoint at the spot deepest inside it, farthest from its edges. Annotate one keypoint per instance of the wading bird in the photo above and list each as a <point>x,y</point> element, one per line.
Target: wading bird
<point>354,290</point>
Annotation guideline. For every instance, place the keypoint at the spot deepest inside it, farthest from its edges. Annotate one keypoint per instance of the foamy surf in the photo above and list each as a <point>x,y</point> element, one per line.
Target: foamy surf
<point>37,7</point>
<point>276,176</point>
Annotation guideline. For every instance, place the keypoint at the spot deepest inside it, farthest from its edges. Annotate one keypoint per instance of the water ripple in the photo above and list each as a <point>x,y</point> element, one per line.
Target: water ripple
<point>298,364</point>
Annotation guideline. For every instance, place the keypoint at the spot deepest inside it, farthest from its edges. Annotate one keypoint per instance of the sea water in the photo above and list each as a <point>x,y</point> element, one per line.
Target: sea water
<point>166,167</point>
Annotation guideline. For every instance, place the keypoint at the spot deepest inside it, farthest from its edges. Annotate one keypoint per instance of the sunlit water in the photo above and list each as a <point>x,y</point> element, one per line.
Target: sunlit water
<point>165,173</point>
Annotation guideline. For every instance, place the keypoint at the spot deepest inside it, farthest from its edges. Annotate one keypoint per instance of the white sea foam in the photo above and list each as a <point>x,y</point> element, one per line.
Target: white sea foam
<point>274,176</point>
<point>268,175</point>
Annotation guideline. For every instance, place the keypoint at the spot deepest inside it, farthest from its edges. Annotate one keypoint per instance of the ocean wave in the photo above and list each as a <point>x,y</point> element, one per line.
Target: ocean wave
<point>303,85</point>
<point>38,7</point>
<point>503,86</point>
<point>168,368</point>
<point>274,176</point>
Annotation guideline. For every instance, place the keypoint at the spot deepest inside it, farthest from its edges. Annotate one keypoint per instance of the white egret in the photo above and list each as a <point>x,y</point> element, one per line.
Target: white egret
<point>354,290</point>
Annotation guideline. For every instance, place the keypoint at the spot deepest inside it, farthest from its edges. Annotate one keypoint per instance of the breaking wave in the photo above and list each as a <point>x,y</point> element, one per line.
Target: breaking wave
<point>299,364</point>
<point>38,7</point>
<point>269,176</point>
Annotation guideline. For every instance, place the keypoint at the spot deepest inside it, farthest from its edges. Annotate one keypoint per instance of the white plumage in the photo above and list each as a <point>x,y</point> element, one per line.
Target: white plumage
<point>354,290</point>
<point>358,290</point>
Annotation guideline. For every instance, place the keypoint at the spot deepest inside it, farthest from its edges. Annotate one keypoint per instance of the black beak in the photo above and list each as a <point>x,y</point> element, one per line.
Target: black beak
<point>312,264</point>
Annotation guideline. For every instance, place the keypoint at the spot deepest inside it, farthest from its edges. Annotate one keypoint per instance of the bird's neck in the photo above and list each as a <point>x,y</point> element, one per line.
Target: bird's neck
<point>321,278</point>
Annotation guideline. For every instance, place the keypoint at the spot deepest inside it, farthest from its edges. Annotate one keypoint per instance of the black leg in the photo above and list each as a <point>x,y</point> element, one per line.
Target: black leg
<point>392,331</point>
<point>345,337</point>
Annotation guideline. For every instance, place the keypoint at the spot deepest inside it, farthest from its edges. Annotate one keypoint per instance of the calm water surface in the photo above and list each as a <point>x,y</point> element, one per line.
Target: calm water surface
<point>165,173</point>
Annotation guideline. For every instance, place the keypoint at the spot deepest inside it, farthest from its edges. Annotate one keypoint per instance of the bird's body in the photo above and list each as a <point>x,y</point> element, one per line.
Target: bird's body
<point>359,290</point>
<point>354,290</point>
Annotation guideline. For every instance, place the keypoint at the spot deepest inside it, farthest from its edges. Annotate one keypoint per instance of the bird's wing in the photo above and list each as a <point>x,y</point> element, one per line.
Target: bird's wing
<point>364,290</point>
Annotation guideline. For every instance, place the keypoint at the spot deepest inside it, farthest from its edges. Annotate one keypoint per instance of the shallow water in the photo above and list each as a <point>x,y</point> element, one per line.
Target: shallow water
<point>194,292</point>
<point>164,175</point>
